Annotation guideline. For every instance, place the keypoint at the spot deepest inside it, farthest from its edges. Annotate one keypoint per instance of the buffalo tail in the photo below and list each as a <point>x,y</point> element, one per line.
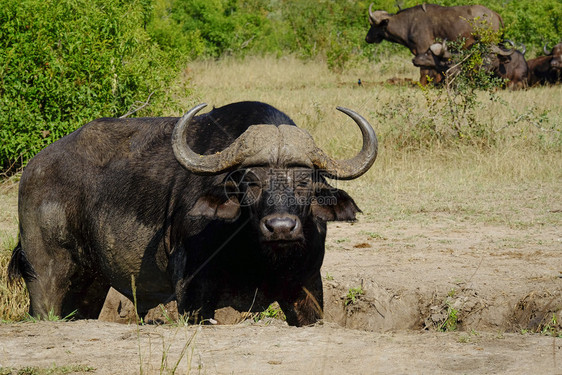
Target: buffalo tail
<point>19,266</point>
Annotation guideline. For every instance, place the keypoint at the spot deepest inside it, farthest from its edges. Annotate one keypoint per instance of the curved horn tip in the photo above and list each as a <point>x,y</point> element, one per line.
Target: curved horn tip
<point>347,111</point>
<point>196,109</point>
<point>350,112</point>
<point>371,13</point>
<point>360,164</point>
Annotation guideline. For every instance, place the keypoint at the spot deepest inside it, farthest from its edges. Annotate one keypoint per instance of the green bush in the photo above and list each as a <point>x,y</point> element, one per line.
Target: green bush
<point>209,28</point>
<point>238,27</point>
<point>64,63</point>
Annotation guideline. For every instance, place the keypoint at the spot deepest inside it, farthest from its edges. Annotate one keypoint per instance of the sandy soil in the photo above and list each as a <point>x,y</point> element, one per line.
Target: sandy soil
<point>112,348</point>
<point>504,285</point>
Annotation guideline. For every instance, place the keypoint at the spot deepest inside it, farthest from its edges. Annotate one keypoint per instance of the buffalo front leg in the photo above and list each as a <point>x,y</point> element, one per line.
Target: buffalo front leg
<point>197,299</point>
<point>305,306</point>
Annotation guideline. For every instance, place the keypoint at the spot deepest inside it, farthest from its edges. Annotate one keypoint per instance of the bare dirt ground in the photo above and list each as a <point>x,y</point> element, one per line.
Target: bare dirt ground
<point>112,348</point>
<point>502,284</point>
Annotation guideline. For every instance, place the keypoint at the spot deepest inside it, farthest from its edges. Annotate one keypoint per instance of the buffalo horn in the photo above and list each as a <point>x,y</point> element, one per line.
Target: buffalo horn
<point>436,49</point>
<point>546,52</point>
<point>236,153</point>
<point>358,165</point>
<point>201,164</point>
<point>371,13</point>
<point>377,16</point>
<point>498,51</point>
<point>439,49</point>
<point>515,48</point>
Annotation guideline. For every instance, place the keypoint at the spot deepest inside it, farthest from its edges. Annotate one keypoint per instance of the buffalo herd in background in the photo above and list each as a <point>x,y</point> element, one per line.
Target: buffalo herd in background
<point>425,30</point>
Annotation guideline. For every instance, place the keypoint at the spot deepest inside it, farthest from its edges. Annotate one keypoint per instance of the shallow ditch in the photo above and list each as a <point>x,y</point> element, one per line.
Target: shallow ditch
<point>375,309</point>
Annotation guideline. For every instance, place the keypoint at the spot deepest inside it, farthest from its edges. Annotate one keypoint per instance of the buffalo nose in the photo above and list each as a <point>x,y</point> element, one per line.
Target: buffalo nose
<point>280,225</point>
<point>284,227</point>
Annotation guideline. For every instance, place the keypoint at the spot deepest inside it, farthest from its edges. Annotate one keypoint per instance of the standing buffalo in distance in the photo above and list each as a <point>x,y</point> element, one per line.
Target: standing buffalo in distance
<point>546,69</point>
<point>419,27</point>
<point>228,208</point>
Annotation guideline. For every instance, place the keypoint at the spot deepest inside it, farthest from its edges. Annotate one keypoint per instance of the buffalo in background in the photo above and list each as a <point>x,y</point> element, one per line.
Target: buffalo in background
<point>228,208</point>
<point>419,27</point>
<point>506,63</point>
<point>546,69</point>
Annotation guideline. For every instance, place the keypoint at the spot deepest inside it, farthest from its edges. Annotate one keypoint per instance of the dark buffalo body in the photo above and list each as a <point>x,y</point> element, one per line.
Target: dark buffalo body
<point>120,198</point>
<point>546,69</point>
<point>514,69</point>
<point>419,27</point>
<point>509,64</point>
<point>541,72</point>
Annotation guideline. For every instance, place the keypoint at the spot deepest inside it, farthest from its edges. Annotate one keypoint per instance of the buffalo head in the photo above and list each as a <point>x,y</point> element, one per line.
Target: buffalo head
<point>379,22</point>
<point>556,54</point>
<point>278,175</point>
<point>498,56</point>
<point>437,57</point>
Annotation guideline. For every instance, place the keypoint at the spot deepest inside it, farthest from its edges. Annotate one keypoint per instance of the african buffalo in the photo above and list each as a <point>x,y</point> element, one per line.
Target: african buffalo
<point>546,69</point>
<point>228,208</point>
<point>509,64</point>
<point>541,72</point>
<point>419,27</point>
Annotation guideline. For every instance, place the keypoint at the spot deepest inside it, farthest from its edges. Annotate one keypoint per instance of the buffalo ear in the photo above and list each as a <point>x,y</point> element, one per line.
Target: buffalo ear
<point>216,207</point>
<point>334,205</point>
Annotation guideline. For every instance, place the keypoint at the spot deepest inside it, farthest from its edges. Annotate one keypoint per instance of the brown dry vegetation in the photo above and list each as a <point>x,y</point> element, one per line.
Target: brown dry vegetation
<point>473,223</point>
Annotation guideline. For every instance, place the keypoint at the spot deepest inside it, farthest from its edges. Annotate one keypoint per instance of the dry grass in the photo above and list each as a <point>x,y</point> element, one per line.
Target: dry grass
<point>523,165</point>
<point>13,299</point>
<point>513,181</point>
<point>309,93</point>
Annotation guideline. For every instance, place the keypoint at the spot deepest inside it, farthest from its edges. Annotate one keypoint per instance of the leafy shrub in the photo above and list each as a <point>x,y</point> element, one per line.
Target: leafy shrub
<point>209,28</point>
<point>64,63</point>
